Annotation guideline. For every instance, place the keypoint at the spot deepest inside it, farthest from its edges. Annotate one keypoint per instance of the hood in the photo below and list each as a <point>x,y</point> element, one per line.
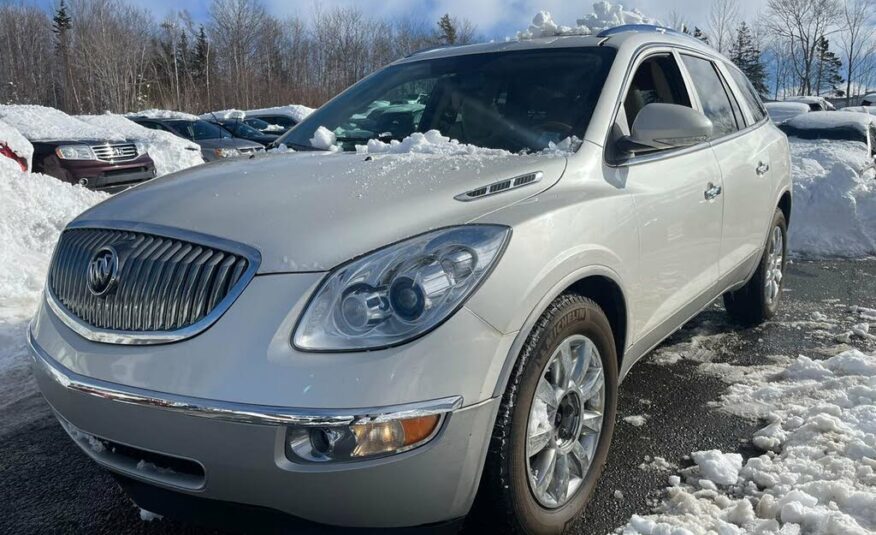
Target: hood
<point>310,211</point>
<point>228,143</point>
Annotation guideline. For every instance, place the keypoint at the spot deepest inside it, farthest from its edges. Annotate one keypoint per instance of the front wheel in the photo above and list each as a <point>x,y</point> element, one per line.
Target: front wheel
<point>554,427</point>
<point>758,300</point>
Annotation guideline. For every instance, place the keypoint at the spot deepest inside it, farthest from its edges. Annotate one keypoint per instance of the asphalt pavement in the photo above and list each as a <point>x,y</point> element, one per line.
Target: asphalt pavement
<point>48,486</point>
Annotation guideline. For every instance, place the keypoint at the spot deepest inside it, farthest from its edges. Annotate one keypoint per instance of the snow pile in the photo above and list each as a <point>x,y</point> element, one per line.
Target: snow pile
<point>820,120</point>
<point>834,199</point>
<point>163,114</point>
<point>169,152</point>
<point>605,15</point>
<point>780,112</point>
<point>817,472</point>
<point>16,142</point>
<point>431,142</point>
<point>296,112</point>
<point>223,115</point>
<point>860,109</point>
<point>39,123</point>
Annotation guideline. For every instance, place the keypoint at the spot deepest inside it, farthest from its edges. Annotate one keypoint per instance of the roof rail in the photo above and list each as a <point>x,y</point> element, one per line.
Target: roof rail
<point>427,49</point>
<point>608,32</point>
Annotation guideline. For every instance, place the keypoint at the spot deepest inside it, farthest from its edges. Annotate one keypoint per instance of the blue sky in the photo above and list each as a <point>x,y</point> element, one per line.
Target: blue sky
<point>495,18</point>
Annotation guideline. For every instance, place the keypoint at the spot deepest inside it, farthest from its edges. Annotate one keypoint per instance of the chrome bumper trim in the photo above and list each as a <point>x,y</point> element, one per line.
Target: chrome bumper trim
<point>230,411</point>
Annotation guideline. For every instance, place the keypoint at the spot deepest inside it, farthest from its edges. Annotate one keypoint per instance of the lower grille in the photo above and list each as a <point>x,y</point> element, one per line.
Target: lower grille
<point>121,281</point>
<point>115,153</point>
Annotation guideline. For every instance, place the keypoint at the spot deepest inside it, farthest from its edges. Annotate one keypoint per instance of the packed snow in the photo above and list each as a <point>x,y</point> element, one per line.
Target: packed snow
<point>780,112</point>
<point>40,123</point>
<point>169,152</point>
<point>431,142</point>
<point>16,142</point>
<point>818,120</point>
<point>296,112</point>
<point>860,109</point>
<point>324,139</point>
<point>834,200</point>
<point>153,113</point>
<point>811,99</point>
<point>605,15</point>
<point>223,115</point>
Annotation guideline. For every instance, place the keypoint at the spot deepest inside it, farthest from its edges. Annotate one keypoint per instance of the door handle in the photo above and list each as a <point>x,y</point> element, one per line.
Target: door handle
<point>712,191</point>
<point>762,168</point>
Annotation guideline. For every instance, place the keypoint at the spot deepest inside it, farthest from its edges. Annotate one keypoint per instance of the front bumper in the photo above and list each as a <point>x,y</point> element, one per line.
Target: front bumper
<point>238,452</point>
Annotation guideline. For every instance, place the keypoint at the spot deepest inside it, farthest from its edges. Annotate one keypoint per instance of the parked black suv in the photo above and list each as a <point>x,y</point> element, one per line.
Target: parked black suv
<point>240,129</point>
<point>216,142</point>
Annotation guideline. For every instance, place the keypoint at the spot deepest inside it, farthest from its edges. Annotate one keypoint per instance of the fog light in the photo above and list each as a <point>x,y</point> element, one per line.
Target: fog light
<point>360,440</point>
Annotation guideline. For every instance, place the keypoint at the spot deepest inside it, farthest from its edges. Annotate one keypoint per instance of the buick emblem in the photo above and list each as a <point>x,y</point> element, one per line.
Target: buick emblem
<point>103,270</point>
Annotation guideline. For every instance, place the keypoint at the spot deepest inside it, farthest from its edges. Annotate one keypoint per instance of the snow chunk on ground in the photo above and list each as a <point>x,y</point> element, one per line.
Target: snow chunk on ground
<point>834,198</point>
<point>605,15</point>
<point>154,113</point>
<point>722,468</point>
<point>149,516</point>
<point>431,142</point>
<point>637,420</point>
<point>169,152</point>
<point>296,112</point>
<point>16,142</point>
<point>39,123</point>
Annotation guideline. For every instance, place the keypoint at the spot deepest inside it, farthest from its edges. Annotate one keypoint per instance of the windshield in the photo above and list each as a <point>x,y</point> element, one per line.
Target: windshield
<point>518,101</point>
<point>241,129</point>
<point>198,130</point>
<point>257,123</point>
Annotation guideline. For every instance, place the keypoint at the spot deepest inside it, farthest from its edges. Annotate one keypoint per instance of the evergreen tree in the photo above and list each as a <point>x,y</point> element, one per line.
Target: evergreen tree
<point>61,24</point>
<point>827,72</point>
<point>200,55</point>
<point>446,30</point>
<point>747,56</point>
<point>701,35</point>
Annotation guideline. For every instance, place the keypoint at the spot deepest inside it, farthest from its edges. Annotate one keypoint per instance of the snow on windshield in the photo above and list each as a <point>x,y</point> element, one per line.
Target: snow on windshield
<point>16,142</point>
<point>605,15</point>
<point>170,153</point>
<point>39,123</point>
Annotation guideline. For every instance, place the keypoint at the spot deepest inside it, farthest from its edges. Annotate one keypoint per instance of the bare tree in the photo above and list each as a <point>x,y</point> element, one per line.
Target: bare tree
<point>723,18</point>
<point>803,23</point>
<point>857,42</point>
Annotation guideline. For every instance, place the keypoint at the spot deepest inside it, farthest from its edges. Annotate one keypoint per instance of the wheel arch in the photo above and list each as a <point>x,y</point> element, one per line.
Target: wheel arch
<point>784,205</point>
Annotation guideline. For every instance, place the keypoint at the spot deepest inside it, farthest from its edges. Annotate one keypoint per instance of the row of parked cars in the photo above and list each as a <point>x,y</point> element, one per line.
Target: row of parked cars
<point>80,150</point>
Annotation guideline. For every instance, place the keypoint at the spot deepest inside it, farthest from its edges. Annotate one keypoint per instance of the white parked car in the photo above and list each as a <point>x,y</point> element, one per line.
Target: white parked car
<point>372,339</point>
<point>815,103</point>
<point>780,112</point>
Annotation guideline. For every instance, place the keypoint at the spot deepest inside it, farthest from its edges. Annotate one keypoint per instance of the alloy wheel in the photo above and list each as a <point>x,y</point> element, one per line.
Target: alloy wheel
<point>774,266</point>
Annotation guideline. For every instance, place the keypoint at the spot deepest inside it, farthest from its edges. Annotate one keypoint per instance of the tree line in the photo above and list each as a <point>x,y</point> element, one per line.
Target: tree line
<point>89,56</point>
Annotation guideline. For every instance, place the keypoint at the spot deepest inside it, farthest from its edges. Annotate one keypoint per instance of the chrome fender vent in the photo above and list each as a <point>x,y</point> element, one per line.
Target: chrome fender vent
<point>500,186</point>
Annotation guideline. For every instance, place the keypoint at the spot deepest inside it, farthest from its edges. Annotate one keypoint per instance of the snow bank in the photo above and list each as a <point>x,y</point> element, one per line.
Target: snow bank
<point>163,114</point>
<point>431,142</point>
<point>39,123</point>
<point>296,112</point>
<point>834,208</point>
<point>605,15</point>
<point>169,152</point>
<point>13,139</point>
<point>780,112</point>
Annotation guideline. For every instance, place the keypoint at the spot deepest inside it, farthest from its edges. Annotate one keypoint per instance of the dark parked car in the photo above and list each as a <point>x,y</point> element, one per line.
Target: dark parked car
<point>215,142</point>
<point>240,129</point>
<point>94,163</point>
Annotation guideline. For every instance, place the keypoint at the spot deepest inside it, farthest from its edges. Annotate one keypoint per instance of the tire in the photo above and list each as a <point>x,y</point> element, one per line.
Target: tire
<point>506,495</point>
<point>750,305</point>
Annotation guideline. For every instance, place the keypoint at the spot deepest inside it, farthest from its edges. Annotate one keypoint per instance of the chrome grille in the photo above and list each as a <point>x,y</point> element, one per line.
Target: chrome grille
<point>115,153</point>
<point>163,285</point>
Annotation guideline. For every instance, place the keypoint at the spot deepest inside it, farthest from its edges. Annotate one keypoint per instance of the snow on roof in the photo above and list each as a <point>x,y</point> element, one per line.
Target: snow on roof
<point>296,112</point>
<point>605,15</point>
<point>39,123</point>
<point>163,114</point>
<point>809,99</point>
<point>860,109</point>
<point>222,115</point>
<point>13,139</point>
<point>782,111</point>
<point>170,153</point>
<point>817,120</point>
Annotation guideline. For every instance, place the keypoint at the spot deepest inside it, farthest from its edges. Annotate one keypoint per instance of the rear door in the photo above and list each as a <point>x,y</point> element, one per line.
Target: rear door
<point>743,156</point>
<point>679,224</point>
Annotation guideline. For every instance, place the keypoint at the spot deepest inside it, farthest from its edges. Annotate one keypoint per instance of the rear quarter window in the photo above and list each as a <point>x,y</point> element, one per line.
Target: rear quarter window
<point>748,94</point>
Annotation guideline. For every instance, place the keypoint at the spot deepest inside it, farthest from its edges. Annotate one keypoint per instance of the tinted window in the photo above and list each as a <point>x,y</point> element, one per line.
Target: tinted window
<point>198,130</point>
<point>713,96</point>
<point>748,94</point>
<point>518,101</point>
<point>657,79</point>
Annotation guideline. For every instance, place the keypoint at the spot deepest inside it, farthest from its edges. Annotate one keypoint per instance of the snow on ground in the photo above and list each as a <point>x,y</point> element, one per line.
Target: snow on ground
<point>169,152</point>
<point>153,113</point>
<point>38,123</point>
<point>27,238</point>
<point>13,139</point>
<point>605,15</point>
<point>834,199</point>
<point>296,112</point>
<point>813,467</point>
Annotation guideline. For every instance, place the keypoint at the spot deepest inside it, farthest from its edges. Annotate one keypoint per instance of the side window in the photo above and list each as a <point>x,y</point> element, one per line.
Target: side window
<point>749,95</point>
<point>657,79</point>
<point>713,96</point>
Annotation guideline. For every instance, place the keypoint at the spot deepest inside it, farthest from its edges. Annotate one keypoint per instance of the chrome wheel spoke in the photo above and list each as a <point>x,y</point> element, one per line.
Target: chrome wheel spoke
<point>537,441</point>
<point>774,263</point>
<point>544,472</point>
<point>560,484</point>
<point>591,422</point>
<point>591,384</point>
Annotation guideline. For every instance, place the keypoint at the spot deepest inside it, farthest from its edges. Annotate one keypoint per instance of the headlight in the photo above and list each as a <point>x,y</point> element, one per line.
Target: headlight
<point>400,292</point>
<point>142,148</point>
<point>75,152</point>
<point>227,153</point>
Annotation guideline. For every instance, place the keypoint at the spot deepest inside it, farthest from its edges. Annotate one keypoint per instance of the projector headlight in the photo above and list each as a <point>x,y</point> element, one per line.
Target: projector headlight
<point>400,292</point>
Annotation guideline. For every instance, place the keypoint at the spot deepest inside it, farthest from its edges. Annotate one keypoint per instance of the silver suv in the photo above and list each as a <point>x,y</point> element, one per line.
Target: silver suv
<point>372,339</point>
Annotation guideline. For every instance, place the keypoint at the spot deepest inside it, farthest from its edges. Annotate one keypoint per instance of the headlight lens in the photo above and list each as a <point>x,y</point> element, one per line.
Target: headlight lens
<point>75,152</point>
<point>227,153</point>
<point>399,292</point>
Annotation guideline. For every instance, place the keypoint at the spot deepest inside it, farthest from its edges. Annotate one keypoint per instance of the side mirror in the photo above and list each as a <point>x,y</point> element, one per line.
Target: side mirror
<point>661,126</point>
